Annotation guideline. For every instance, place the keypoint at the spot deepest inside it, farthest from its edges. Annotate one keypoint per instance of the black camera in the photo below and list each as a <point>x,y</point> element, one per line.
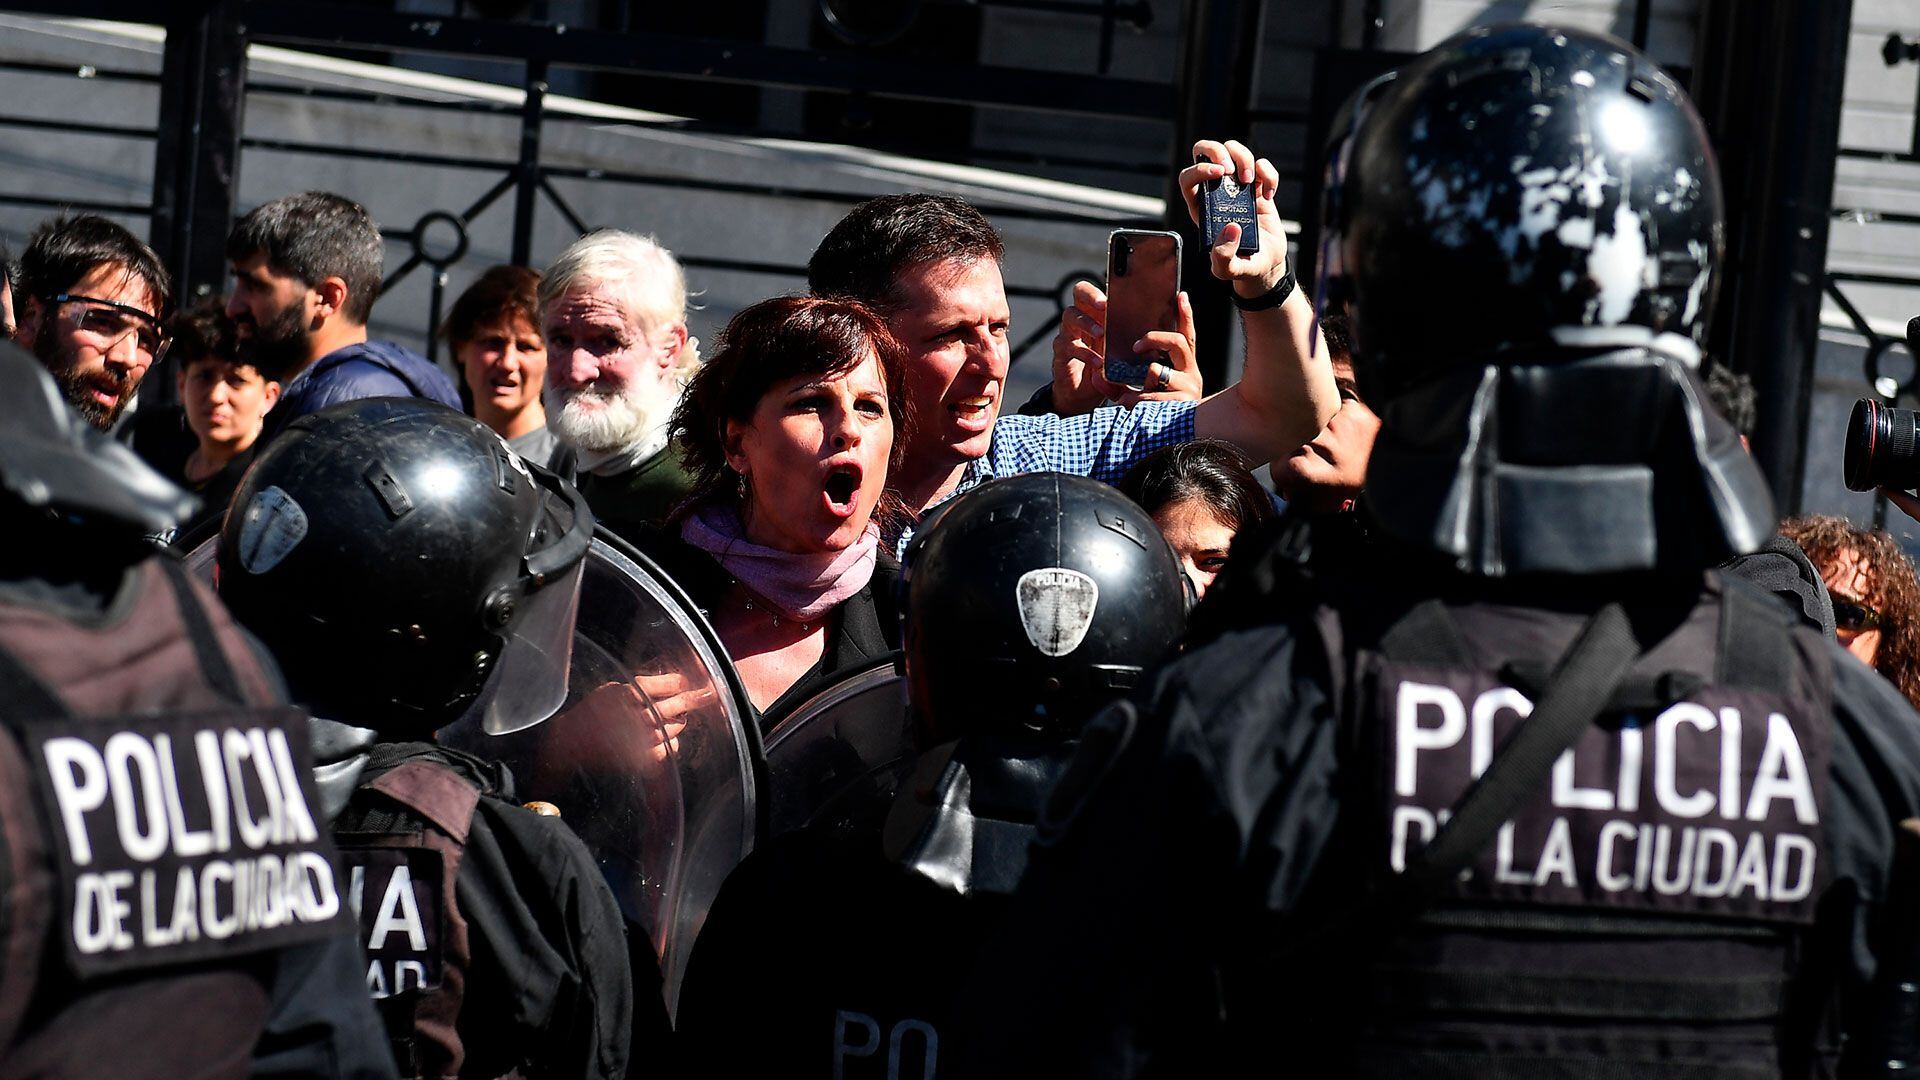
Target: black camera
<point>1881,440</point>
<point>1883,447</point>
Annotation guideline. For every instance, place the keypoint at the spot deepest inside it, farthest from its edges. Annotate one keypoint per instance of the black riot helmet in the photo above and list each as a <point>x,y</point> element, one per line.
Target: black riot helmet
<point>1032,601</point>
<point>1528,225</point>
<point>399,560</point>
<point>1522,188</point>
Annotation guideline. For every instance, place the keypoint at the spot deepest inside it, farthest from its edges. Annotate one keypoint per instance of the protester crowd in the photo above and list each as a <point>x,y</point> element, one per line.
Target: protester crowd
<point>836,480</point>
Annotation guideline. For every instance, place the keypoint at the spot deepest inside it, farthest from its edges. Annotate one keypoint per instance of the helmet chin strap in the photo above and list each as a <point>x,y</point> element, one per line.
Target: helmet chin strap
<point>339,754</point>
<point>965,816</point>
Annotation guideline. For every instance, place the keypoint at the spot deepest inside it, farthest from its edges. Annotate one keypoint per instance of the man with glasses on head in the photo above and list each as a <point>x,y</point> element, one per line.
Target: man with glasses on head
<point>90,296</point>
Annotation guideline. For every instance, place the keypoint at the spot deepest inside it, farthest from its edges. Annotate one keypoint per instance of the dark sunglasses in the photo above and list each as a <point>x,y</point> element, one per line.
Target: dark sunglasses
<point>1852,615</point>
<point>112,321</point>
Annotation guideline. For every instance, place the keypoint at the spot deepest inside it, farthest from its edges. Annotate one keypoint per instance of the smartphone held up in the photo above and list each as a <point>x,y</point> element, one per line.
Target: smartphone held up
<point>1143,295</point>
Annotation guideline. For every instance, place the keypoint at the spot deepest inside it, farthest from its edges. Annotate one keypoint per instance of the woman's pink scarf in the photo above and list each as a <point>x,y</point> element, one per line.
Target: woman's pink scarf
<point>799,587</point>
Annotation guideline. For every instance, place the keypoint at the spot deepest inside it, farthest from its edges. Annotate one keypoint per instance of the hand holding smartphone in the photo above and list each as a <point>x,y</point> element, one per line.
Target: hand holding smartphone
<point>1143,289</point>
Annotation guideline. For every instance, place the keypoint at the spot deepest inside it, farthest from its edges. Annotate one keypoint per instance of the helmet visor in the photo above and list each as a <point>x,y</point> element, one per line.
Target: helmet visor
<point>529,683</point>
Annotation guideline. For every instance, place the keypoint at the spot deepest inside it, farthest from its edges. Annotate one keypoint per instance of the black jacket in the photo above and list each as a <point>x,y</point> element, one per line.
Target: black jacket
<point>1205,845</point>
<point>823,958</point>
<point>547,986</point>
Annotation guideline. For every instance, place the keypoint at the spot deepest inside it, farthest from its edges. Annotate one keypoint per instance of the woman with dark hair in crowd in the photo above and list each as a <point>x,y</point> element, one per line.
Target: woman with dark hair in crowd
<point>1201,494</point>
<point>1876,601</point>
<point>790,429</point>
<point>494,331</point>
<point>224,402</point>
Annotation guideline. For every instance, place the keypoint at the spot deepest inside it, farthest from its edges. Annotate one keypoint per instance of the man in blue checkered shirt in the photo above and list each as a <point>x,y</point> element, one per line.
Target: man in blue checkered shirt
<point>931,265</point>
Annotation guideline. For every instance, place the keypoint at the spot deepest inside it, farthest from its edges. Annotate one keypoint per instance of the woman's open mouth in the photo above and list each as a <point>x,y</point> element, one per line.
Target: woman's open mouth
<point>841,487</point>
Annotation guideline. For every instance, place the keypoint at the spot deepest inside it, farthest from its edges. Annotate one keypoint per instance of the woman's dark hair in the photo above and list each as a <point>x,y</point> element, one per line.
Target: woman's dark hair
<point>764,346</point>
<point>204,332</point>
<point>1892,589</point>
<point>501,292</point>
<point>1214,472</point>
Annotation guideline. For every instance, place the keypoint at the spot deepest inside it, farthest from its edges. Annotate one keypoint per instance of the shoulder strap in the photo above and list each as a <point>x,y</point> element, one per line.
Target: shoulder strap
<point>24,697</point>
<point>1582,684</point>
<point>434,791</point>
<point>206,644</point>
<point>1756,641</point>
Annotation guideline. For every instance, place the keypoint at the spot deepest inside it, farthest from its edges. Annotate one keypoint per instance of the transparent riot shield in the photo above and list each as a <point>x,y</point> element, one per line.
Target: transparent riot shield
<point>836,759</point>
<point>653,760</point>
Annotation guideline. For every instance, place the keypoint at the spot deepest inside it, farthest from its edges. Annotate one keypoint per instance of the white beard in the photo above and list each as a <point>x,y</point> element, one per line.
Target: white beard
<point>604,424</point>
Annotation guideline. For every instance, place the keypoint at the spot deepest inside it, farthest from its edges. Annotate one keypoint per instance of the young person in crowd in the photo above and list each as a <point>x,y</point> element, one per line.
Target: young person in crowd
<point>1201,495</point>
<point>1876,601</point>
<point>494,331</point>
<point>225,401</point>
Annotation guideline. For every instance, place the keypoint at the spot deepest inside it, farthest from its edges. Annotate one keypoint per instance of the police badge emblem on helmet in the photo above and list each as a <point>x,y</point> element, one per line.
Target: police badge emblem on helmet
<point>1056,608</point>
<point>273,525</point>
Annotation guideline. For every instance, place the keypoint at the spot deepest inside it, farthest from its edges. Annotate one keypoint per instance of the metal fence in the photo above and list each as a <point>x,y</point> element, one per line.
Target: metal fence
<point>199,141</point>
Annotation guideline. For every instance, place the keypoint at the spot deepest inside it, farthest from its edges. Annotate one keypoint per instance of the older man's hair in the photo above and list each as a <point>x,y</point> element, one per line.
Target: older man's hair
<point>313,236</point>
<point>642,272</point>
<point>864,256</point>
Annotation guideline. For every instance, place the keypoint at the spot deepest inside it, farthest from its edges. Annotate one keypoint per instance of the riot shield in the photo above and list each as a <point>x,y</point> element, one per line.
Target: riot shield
<point>836,759</point>
<point>653,760</point>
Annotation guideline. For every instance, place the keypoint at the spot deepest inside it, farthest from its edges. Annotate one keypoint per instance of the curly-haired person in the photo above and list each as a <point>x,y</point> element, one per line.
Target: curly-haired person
<point>1876,599</point>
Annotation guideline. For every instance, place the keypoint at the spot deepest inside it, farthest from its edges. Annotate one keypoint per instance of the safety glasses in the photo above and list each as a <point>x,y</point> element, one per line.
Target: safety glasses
<point>110,322</point>
<point>1853,616</point>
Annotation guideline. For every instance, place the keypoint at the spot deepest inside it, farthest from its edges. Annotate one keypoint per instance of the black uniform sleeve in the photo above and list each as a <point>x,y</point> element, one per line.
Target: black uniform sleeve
<point>1782,569</point>
<point>322,1022</point>
<point>1875,785</point>
<point>1177,825</point>
<point>746,947</point>
<point>549,984</point>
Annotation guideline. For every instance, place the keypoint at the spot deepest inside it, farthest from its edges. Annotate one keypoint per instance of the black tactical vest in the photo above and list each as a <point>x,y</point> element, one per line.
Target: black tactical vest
<point>161,835</point>
<point>1649,910</point>
<point>401,837</point>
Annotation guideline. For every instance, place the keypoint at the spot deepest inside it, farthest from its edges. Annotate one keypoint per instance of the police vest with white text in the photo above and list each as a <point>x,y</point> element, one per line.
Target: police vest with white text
<point>401,839</point>
<point>162,835</point>
<point>1647,910</point>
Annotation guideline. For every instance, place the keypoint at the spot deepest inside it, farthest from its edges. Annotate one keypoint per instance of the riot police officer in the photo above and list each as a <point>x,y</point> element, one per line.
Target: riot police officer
<point>408,569</point>
<point>1534,792</point>
<point>171,903</point>
<point>835,951</point>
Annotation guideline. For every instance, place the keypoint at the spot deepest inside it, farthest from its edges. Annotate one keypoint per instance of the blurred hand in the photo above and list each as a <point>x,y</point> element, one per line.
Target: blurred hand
<point>1079,358</point>
<point>676,701</point>
<point>1079,353</point>
<point>1176,380</point>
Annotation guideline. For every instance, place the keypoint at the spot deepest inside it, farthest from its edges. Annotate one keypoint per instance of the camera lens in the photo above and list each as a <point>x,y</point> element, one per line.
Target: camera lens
<point>1883,447</point>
